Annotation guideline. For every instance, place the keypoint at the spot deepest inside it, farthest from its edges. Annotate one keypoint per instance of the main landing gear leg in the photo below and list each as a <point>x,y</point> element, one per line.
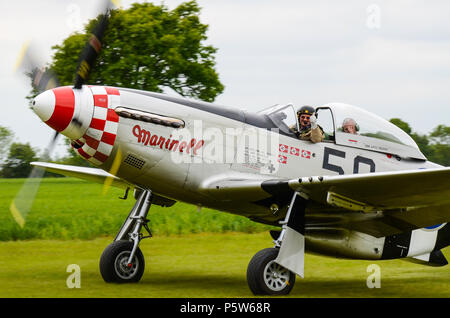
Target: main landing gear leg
<point>122,261</point>
<point>272,270</point>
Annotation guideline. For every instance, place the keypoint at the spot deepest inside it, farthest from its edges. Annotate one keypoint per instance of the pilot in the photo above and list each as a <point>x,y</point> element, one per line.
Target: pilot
<point>350,126</point>
<point>309,130</point>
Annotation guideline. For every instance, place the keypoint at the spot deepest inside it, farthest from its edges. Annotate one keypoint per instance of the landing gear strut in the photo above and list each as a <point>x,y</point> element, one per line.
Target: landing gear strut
<point>272,270</point>
<point>122,261</point>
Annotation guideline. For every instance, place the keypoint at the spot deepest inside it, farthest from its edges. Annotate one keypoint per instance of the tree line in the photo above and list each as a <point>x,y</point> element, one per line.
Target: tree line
<point>16,156</point>
<point>435,145</point>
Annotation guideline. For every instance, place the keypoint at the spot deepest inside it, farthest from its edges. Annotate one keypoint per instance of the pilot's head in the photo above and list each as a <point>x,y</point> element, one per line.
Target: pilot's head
<point>349,126</point>
<point>303,115</point>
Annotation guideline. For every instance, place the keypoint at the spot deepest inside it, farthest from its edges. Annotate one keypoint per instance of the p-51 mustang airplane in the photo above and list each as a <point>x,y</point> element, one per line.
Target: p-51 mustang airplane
<point>370,195</point>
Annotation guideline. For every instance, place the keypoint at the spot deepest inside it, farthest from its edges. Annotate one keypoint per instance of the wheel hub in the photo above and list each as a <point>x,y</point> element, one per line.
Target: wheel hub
<point>124,269</point>
<point>276,277</point>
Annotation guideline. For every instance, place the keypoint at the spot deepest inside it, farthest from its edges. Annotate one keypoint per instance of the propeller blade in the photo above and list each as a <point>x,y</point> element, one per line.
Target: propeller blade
<point>43,79</point>
<point>93,46</point>
<point>20,207</point>
<point>113,171</point>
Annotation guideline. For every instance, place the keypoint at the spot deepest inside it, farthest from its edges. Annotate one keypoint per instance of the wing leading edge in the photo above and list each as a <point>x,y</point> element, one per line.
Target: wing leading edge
<point>89,174</point>
<point>381,190</point>
<point>391,202</point>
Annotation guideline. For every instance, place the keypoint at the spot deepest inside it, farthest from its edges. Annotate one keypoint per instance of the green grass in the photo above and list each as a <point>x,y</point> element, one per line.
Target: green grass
<point>68,208</point>
<point>71,222</point>
<point>201,265</point>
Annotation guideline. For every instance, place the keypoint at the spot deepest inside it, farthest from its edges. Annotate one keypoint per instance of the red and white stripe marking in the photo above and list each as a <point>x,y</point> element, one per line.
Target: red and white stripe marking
<point>56,107</point>
<point>64,108</point>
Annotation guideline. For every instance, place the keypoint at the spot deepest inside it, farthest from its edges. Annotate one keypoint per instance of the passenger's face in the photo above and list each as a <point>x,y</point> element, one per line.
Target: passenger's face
<point>350,129</point>
<point>304,120</point>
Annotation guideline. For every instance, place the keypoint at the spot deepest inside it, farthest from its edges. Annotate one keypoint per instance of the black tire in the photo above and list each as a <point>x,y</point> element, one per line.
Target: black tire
<point>265,277</point>
<point>113,263</point>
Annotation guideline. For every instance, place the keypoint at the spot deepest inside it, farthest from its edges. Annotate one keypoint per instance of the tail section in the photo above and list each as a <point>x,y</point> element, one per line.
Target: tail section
<point>422,245</point>
<point>443,237</point>
<point>435,258</point>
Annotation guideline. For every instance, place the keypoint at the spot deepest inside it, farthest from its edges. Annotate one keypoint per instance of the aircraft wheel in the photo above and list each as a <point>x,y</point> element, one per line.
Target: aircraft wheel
<point>265,277</point>
<point>114,265</point>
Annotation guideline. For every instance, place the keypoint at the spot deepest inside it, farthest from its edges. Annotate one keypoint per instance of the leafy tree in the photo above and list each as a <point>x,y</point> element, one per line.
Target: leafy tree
<point>147,47</point>
<point>441,154</point>
<point>6,136</point>
<point>441,135</point>
<point>421,140</point>
<point>402,125</point>
<point>435,146</point>
<point>440,144</point>
<point>17,164</point>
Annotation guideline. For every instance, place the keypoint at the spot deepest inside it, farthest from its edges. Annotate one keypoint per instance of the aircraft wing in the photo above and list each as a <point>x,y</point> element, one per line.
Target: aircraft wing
<point>89,174</point>
<point>380,191</point>
<point>379,204</point>
<point>98,176</point>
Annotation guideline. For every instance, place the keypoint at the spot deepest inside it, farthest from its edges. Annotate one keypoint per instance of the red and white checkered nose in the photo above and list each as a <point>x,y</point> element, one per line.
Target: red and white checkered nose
<point>85,115</point>
<point>98,141</point>
<point>56,107</point>
<point>66,110</point>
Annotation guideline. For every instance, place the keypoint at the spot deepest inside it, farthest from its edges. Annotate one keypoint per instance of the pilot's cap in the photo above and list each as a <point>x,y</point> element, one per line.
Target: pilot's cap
<point>309,110</point>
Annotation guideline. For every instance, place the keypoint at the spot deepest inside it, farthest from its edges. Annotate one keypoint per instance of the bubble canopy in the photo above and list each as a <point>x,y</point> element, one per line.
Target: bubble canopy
<point>370,131</point>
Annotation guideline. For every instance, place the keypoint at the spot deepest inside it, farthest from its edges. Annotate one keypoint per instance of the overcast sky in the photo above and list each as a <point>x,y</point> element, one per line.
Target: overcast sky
<point>388,57</point>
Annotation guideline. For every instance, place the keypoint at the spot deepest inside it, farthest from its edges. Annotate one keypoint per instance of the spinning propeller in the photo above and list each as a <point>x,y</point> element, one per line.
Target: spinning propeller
<point>44,79</point>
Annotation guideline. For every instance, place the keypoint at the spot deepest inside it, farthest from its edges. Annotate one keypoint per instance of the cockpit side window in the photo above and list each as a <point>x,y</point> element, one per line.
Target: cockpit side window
<point>326,122</point>
<point>284,118</point>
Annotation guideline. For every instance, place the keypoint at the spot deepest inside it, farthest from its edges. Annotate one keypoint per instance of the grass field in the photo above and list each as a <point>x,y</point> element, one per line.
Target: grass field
<point>68,208</point>
<point>200,265</point>
<point>71,222</point>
